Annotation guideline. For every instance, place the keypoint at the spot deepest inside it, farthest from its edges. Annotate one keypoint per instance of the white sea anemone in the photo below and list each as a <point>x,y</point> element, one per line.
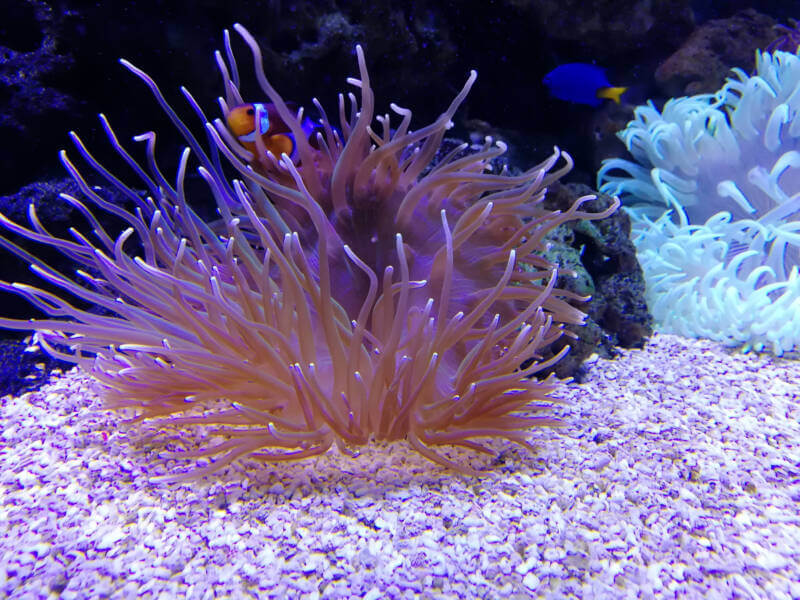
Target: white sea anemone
<point>715,195</point>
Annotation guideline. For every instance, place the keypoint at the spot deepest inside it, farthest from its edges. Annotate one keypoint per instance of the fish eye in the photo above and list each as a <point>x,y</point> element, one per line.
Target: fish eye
<point>251,111</point>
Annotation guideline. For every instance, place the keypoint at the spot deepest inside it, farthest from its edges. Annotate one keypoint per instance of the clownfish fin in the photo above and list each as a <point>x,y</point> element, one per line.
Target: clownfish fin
<point>611,93</point>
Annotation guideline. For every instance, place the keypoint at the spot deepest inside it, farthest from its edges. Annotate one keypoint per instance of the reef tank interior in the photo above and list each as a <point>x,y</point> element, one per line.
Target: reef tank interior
<point>400,300</point>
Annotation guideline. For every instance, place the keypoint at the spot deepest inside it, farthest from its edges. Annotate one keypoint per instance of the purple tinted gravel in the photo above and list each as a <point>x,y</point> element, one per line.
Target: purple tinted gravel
<point>677,475</point>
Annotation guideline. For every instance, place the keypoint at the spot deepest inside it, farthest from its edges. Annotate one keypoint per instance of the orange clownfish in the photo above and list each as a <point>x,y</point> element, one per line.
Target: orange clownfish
<point>277,136</point>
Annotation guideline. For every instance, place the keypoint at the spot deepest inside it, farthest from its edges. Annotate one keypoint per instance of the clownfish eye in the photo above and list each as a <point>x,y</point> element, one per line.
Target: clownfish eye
<point>251,111</point>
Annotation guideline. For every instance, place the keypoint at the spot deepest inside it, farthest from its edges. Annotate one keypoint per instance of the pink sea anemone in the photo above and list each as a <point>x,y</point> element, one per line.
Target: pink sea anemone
<point>355,293</point>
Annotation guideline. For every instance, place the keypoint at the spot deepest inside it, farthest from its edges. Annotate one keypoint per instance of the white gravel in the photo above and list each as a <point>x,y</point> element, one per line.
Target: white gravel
<point>677,475</point>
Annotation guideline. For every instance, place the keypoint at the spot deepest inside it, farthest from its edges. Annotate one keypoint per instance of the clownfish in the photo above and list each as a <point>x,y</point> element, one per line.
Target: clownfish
<point>582,83</point>
<point>274,132</point>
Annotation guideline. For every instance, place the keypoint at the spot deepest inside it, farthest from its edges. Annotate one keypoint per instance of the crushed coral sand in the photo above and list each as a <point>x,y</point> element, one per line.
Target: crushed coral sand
<point>677,474</point>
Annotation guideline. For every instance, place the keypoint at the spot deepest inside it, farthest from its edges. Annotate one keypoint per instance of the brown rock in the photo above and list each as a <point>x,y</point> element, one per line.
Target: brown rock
<point>703,62</point>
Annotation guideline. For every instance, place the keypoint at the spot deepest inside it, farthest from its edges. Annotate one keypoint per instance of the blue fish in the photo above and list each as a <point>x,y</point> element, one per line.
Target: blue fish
<point>581,83</point>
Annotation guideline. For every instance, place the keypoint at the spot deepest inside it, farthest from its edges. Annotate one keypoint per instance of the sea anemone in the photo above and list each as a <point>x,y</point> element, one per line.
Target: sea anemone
<point>354,292</point>
<point>716,195</point>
